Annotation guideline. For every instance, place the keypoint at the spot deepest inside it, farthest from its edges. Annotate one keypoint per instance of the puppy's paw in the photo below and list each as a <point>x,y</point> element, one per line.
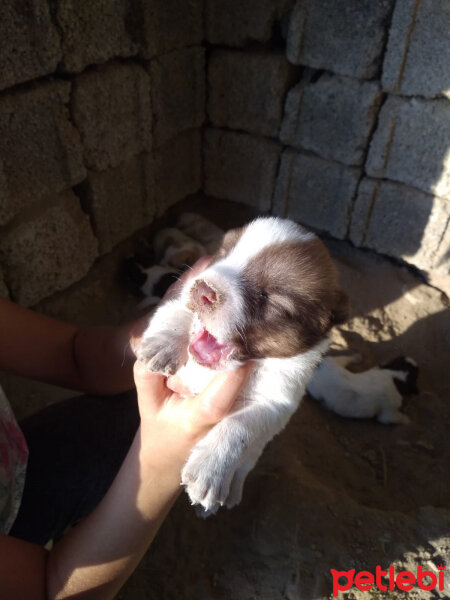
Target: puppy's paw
<point>236,489</point>
<point>206,480</point>
<point>160,354</point>
<point>203,513</point>
<point>393,417</point>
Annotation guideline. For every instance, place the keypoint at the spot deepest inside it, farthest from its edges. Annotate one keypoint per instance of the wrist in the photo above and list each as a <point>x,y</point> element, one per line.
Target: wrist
<point>162,454</point>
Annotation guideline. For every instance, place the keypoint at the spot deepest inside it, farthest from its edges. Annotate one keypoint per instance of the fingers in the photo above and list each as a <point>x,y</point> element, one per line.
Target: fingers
<point>219,396</point>
<point>175,384</point>
<point>151,387</point>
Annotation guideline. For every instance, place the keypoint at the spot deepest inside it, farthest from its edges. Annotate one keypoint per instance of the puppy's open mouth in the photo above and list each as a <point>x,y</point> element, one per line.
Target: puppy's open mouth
<point>207,351</point>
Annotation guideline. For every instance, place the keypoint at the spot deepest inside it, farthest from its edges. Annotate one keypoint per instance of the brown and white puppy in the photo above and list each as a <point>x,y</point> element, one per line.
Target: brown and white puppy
<point>270,294</point>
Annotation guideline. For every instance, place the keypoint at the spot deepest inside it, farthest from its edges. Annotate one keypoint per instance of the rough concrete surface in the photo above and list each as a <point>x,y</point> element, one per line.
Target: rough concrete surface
<point>240,167</point>
<point>236,23</point>
<point>343,37</point>
<point>416,61</point>
<point>315,191</point>
<point>4,292</point>
<point>247,90</point>
<point>48,253</point>
<point>40,149</point>
<point>111,108</point>
<point>178,92</point>
<point>419,130</point>
<point>400,221</point>
<point>178,169</point>
<point>328,492</point>
<point>121,200</point>
<point>30,45</point>
<point>93,31</point>
<point>442,256</point>
<point>170,24</point>
<point>332,117</point>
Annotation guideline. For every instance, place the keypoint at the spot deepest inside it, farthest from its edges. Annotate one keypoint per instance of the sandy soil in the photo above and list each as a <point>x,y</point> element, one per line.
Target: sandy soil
<point>328,493</point>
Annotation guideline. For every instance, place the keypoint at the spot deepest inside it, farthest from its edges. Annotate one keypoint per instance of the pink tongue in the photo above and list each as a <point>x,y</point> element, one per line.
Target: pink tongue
<point>207,350</point>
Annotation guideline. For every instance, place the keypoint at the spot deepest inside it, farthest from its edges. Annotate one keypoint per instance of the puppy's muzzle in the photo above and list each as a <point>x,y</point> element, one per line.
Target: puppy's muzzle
<point>203,296</point>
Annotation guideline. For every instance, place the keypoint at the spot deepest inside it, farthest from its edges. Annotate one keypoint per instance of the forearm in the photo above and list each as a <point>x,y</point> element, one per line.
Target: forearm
<point>104,357</point>
<point>89,359</point>
<point>99,554</point>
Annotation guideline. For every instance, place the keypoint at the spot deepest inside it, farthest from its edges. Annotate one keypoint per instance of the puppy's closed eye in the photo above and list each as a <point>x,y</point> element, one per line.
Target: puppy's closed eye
<point>282,301</point>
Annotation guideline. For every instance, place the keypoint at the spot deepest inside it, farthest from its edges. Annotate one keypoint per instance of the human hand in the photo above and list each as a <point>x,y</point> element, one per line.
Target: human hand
<point>171,423</point>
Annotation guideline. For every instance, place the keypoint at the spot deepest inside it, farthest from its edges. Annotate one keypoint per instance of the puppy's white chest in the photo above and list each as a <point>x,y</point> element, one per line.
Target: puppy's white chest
<point>194,376</point>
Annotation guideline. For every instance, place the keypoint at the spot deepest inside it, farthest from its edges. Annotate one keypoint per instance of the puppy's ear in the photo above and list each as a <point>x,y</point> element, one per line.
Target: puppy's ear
<point>229,240</point>
<point>341,309</point>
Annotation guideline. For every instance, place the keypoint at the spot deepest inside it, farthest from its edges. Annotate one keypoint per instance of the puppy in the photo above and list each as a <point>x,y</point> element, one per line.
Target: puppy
<point>270,294</point>
<point>200,229</point>
<point>174,250</point>
<point>374,393</point>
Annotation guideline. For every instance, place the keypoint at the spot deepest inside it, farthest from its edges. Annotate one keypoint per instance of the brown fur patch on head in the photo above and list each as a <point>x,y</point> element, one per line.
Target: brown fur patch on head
<point>292,299</point>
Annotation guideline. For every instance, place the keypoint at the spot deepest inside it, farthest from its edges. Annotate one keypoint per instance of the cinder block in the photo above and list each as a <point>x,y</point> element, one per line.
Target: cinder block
<point>93,31</point>
<point>417,57</point>
<point>315,192</point>
<point>247,90</point>
<point>170,25</point>
<point>332,117</point>
<point>240,167</point>
<point>178,92</point>
<point>442,257</point>
<point>112,110</point>
<point>4,292</point>
<point>439,275</point>
<point>121,200</point>
<point>178,169</point>
<point>410,144</point>
<point>399,221</point>
<point>238,22</point>
<point>49,253</point>
<point>40,150</point>
<point>344,36</point>
<point>29,45</point>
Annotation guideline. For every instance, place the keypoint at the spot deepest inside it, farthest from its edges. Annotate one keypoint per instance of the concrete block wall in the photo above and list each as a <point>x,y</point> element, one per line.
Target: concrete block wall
<point>333,112</point>
<point>336,113</point>
<point>101,105</point>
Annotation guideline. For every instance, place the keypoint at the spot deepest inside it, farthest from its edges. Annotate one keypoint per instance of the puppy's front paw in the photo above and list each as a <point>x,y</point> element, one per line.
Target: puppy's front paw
<point>393,417</point>
<point>206,480</point>
<point>202,513</point>
<point>160,354</point>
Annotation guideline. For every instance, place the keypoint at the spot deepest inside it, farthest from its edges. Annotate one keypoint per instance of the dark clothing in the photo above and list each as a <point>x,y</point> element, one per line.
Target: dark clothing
<point>76,448</point>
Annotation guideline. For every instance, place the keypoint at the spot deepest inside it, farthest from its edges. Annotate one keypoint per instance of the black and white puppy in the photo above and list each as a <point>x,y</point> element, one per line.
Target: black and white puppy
<point>375,393</point>
<point>270,294</point>
<point>174,250</point>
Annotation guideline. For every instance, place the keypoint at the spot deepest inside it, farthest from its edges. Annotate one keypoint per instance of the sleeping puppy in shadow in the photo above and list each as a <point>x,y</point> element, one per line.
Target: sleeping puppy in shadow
<point>271,295</point>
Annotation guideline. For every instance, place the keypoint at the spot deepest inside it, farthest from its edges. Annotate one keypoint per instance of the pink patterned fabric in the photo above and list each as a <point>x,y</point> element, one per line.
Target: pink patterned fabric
<point>13,465</point>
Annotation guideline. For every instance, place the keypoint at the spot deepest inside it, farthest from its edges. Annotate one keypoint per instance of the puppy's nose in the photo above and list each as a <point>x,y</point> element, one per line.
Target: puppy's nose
<point>203,295</point>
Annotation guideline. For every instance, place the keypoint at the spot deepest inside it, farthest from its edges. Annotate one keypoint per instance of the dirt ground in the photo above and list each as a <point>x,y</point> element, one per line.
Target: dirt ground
<point>328,493</point>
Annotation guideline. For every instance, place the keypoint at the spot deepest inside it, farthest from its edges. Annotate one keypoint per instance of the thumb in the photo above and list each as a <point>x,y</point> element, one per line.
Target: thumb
<point>150,386</point>
<point>219,396</point>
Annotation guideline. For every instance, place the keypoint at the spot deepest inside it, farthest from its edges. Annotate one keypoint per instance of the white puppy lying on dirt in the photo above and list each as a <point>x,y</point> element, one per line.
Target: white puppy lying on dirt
<point>270,294</point>
<point>371,394</point>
